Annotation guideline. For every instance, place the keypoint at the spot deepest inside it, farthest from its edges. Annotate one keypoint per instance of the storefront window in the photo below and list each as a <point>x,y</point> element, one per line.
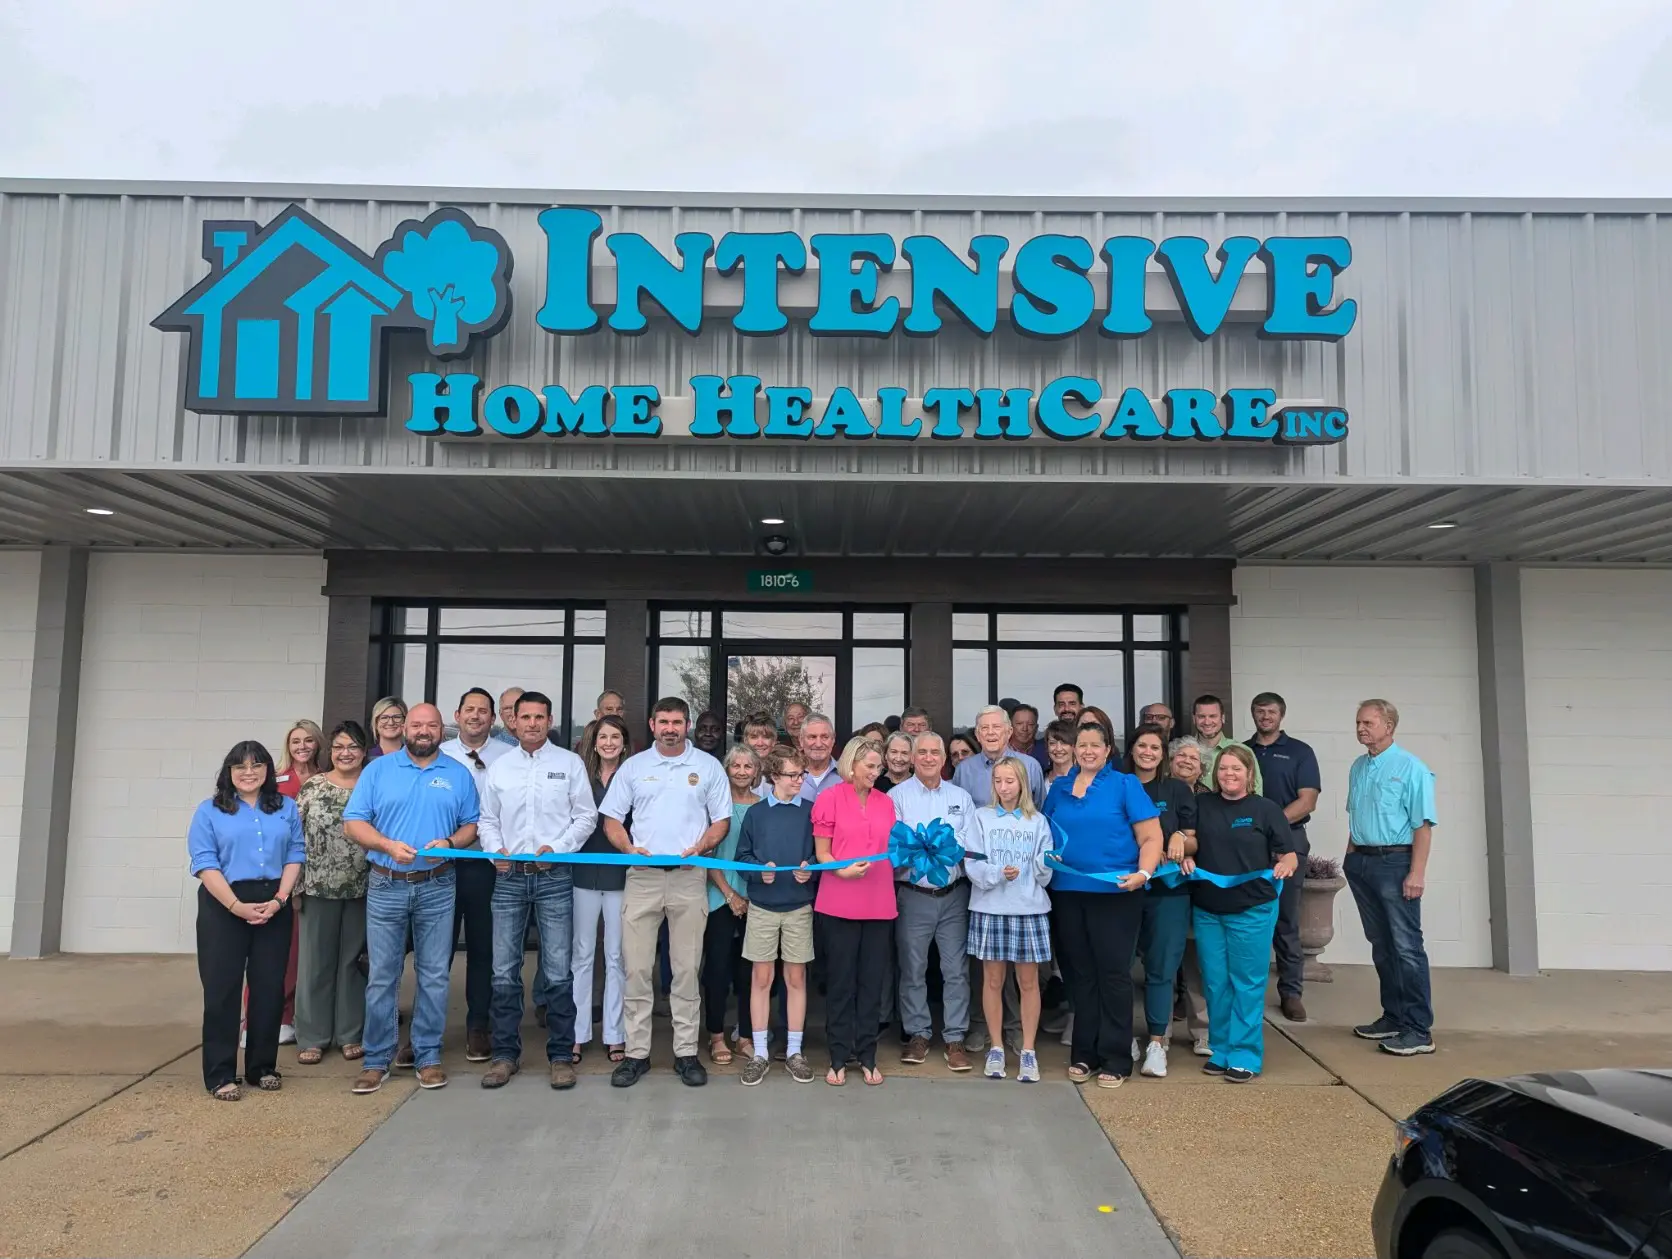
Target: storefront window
<point>1025,655</point>
<point>879,683</point>
<point>436,652</point>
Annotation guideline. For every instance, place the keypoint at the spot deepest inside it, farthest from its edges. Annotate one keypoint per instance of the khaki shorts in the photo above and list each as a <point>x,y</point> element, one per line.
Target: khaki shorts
<point>781,936</point>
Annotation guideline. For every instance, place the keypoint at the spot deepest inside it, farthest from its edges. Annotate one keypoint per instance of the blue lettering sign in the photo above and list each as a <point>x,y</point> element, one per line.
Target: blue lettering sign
<point>293,318</point>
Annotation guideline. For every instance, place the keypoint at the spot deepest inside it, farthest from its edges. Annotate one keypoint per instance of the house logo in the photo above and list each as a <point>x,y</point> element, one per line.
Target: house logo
<point>294,319</point>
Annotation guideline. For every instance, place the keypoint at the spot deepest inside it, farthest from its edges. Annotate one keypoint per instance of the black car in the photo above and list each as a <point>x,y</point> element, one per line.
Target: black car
<point>1574,1163</point>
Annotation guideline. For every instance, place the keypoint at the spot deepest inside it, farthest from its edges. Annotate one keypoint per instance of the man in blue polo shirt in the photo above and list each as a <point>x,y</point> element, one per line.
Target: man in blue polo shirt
<point>1390,828</point>
<point>1289,778</point>
<point>410,800</point>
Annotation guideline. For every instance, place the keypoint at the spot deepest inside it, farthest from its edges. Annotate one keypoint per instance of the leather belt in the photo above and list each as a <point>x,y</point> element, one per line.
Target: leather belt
<point>935,891</point>
<point>413,876</point>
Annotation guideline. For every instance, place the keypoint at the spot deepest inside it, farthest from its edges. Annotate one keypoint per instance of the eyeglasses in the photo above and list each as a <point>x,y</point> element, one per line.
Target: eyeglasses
<point>475,759</point>
<point>387,718</point>
<point>344,747</point>
<point>800,773</point>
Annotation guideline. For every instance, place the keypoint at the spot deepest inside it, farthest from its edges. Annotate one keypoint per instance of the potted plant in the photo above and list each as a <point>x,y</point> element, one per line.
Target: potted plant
<point>1317,914</point>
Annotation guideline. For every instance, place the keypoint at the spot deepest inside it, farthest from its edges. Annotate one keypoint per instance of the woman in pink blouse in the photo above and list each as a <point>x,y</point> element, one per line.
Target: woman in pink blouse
<point>855,910</point>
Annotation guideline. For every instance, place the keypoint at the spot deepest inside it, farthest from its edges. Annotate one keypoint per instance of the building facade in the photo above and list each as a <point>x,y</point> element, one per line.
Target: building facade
<point>268,453</point>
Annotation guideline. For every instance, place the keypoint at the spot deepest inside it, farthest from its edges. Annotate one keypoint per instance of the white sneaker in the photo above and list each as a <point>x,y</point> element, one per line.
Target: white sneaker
<point>1201,1048</point>
<point>994,1070</point>
<point>287,1034</point>
<point>1155,1059</point>
<point>1029,1074</point>
<point>1068,1031</point>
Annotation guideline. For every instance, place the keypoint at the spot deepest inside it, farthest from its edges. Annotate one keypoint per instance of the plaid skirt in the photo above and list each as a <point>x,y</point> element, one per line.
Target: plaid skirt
<point>1009,937</point>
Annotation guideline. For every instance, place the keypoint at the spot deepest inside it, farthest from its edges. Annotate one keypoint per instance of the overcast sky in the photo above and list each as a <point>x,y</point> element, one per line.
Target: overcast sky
<point>1145,97</point>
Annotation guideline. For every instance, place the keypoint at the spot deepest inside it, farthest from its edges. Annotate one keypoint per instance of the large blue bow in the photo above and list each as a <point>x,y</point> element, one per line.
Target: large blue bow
<point>927,852</point>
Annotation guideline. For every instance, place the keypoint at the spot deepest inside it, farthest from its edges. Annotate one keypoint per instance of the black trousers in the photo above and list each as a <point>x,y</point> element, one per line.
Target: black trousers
<point>1097,933</point>
<point>473,906</point>
<point>857,953</point>
<point>231,953</point>
<point>1291,962</point>
<point>724,972</point>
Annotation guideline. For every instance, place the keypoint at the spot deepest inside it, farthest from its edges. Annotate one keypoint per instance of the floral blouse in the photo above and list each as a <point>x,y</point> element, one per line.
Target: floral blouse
<point>336,866</point>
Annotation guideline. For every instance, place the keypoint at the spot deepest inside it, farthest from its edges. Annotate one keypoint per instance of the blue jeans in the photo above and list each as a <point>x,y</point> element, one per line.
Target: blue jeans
<point>1161,945</point>
<point>1235,953</point>
<point>1393,925</point>
<point>523,890</point>
<point>393,910</point>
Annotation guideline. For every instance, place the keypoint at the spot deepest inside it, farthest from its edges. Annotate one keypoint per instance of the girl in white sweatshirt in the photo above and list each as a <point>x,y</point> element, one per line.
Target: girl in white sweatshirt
<point>1010,914</point>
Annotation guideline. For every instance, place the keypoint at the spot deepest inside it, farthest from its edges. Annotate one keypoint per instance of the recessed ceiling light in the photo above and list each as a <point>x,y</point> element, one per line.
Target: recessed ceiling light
<point>772,520</point>
<point>100,511</point>
<point>1443,524</point>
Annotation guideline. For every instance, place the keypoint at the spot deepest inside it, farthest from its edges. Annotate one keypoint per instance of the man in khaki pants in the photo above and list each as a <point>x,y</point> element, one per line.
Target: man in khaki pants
<point>680,804</point>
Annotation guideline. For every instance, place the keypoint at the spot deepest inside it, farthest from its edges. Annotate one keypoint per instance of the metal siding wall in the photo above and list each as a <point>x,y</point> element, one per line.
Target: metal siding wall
<point>1490,345</point>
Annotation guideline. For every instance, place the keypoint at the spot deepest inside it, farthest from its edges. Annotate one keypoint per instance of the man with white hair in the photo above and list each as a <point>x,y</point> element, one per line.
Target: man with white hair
<point>975,773</point>
<point>817,744</point>
<point>933,915</point>
<point>1390,828</point>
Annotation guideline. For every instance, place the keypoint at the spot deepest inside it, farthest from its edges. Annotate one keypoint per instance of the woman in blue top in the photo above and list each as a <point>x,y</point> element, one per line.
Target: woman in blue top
<point>246,851</point>
<point>1107,824</point>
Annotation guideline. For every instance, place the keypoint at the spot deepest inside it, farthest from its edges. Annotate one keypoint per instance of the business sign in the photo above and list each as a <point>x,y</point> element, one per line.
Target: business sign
<point>789,581</point>
<point>294,319</point>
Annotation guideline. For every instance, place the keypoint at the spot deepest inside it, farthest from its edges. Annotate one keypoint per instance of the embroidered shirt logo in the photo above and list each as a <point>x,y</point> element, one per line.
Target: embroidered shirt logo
<point>1241,821</point>
<point>439,781</point>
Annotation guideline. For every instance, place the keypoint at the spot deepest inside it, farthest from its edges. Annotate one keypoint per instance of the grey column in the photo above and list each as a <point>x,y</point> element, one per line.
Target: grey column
<point>348,662</point>
<point>1208,671</point>
<point>626,628</point>
<point>49,753</point>
<point>931,663</point>
<point>1505,771</point>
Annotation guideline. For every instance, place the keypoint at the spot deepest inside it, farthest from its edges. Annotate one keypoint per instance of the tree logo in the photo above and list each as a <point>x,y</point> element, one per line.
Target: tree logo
<point>456,276</point>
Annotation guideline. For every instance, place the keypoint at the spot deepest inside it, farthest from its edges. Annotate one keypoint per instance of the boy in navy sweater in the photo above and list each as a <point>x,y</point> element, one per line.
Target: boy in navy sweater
<point>779,832</point>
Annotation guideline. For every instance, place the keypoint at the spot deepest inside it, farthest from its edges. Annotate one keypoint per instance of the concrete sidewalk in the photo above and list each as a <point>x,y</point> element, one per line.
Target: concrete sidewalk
<point>908,1169</point>
<point>108,1145</point>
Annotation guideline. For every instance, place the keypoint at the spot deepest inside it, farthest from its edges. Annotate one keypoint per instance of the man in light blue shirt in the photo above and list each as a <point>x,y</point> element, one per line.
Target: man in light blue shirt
<point>975,773</point>
<point>1390,828</point>
<point>817,745</point>
<point>412,799</point>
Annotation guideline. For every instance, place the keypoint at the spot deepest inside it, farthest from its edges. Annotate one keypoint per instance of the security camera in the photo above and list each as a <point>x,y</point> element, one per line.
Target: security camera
<point>776,544</point>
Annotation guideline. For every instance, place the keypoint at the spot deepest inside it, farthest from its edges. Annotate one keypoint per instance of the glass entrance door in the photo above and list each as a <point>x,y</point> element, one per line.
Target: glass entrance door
<point>736,659</point>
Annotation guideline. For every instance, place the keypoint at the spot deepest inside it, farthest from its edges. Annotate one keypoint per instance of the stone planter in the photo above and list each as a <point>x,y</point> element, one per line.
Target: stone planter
<point>1317,924</point>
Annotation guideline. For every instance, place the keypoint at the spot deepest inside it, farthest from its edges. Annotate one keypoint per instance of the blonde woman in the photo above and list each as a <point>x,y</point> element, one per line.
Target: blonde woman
<point>301,755</point>
<point>855,908</point>
<point>388,727</point>
<point>1010,913</point>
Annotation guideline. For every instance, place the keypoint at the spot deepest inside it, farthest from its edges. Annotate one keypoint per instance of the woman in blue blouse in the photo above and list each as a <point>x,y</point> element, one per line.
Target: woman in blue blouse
<point>1107,824</point>
<point>246,851</point>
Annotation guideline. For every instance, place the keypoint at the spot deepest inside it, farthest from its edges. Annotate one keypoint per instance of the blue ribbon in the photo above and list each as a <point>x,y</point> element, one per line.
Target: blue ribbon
<point>927,852</point>
<point>1168,874</point>
<point>632,859</point>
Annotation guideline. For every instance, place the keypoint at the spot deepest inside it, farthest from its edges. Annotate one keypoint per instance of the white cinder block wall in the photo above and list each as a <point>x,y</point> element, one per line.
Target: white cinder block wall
<point>20,573</point>
<point>1598,647</point>
<point>1326,638</point>
<point>184,655</point>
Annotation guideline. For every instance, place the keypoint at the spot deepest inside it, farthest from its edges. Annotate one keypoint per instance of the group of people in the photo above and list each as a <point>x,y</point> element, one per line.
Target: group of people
<point>316,867</point>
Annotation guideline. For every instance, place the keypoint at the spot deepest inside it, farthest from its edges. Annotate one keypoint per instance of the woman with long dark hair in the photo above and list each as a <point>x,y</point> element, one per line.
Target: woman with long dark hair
<point>599,892</point>
<point>1166,925</point>
<point>246,850</point>
<point>331,987</point>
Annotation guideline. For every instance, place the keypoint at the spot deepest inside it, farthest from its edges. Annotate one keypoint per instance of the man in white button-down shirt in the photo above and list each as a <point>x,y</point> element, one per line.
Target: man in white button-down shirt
<point>680,803</point>
<point>929,914</point>
<point>535,799</point>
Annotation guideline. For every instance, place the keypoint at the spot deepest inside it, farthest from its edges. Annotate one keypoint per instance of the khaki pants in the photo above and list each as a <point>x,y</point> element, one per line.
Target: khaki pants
<point>680,895</point>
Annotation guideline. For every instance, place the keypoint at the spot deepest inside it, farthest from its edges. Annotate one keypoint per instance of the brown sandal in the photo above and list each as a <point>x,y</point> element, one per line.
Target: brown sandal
<point>720,1055</point>
<point>354,1052</point>
<point>310,1057</point>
